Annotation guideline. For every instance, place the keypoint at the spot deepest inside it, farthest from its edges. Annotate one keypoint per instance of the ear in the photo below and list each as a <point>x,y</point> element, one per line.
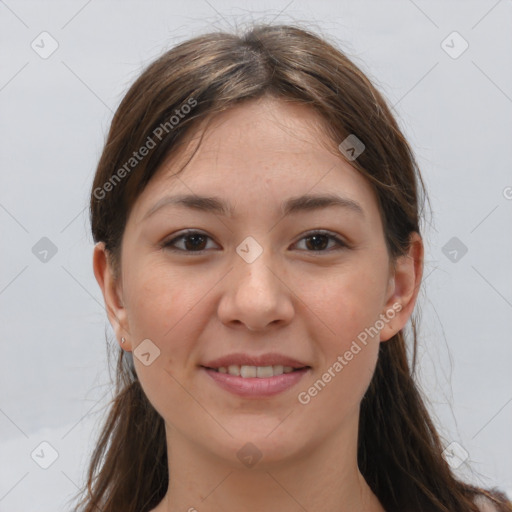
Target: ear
<point>404,285</point>
<point>112,294</point>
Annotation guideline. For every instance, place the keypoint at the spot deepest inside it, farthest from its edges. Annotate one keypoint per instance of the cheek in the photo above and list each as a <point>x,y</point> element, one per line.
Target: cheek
<point>165,307</point>
<point>348,309</point>
<point>162,306</point>
<point>348,304</point>
<point>349,350</point>
<point>161,300</point>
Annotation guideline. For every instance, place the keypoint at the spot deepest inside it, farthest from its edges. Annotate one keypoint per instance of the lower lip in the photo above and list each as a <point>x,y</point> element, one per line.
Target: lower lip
<point>254,386</point>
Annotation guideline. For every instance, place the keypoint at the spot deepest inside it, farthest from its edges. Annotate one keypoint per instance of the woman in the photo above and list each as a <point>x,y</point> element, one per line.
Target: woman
<point>256,215</point>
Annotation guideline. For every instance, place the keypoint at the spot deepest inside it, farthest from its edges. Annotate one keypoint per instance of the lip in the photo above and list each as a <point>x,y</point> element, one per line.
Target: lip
<point>255,387</point>
<point>253,360</point>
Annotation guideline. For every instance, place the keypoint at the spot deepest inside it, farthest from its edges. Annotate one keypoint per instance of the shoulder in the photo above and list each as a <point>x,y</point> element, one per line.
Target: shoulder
<point>484,504</point>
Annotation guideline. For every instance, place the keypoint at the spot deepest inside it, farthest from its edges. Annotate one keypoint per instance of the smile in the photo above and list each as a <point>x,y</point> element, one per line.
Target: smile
<point>256,381</point>
<point>260,372</point>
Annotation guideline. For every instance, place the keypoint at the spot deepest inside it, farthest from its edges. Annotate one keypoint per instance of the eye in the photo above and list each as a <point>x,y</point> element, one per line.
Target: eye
<point>319,240</point>
<point>194,241</point>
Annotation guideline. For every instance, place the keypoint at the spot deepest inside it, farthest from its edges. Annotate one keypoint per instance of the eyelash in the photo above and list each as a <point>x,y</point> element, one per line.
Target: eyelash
<point>338,241</point>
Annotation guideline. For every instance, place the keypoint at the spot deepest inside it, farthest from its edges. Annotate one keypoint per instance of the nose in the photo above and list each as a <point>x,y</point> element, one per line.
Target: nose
<point>256,295</point>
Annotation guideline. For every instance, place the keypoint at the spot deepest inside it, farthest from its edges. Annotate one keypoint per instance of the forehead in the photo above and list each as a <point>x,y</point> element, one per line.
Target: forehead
<point>258,153</point>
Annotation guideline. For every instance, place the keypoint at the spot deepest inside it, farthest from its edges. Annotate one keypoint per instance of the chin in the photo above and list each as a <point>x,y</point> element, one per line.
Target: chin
<point>261,448</point>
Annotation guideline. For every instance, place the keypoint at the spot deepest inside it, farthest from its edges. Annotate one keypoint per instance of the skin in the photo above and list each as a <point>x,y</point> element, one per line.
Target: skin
<point>294,300</point>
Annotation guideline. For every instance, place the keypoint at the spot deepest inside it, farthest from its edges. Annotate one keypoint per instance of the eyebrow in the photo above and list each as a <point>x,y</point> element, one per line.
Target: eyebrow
<point>292,205</point>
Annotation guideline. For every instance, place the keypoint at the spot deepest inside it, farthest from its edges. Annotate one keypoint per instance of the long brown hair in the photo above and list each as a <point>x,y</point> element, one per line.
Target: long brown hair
<point>399,450</point>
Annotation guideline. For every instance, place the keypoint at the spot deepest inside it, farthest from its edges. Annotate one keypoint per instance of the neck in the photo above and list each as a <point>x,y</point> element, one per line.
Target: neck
<point>325,479</point>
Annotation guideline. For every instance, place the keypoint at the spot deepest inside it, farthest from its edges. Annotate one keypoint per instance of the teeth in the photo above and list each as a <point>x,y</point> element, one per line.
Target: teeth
<point>261,372</point>
<point>234,369</point>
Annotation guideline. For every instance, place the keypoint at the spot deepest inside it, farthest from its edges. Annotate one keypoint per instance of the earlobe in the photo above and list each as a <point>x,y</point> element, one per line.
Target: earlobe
<point>112,294</point>
<point>404,288</point>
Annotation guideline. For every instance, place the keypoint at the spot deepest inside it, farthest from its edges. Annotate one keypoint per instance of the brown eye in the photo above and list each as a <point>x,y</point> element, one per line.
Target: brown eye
<point>193,241</point>
<point>318,241</point>
<point>196,242</point>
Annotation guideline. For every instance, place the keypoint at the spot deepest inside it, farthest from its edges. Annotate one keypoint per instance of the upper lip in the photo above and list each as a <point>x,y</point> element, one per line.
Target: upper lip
<point>253,360</point>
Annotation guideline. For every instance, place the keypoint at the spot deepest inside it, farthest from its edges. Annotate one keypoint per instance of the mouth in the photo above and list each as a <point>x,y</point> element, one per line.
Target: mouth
<point>255,382</point>
<point>259,372</point>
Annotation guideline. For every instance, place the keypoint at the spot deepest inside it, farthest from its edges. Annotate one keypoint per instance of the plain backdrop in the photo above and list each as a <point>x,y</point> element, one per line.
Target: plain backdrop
<point>453,103</point>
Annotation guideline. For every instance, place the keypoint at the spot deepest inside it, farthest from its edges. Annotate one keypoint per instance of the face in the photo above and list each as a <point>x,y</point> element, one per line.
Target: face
<point>308,283</point>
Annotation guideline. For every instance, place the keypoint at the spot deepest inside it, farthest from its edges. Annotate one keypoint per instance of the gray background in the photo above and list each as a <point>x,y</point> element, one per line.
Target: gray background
<point>55,112</point>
